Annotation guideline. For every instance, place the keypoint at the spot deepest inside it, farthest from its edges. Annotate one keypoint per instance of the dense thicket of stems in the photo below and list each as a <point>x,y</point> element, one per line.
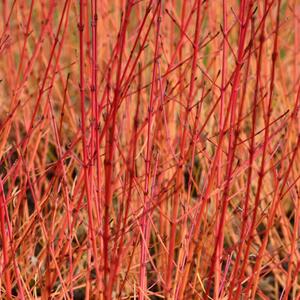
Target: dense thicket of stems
<point>149,149</point>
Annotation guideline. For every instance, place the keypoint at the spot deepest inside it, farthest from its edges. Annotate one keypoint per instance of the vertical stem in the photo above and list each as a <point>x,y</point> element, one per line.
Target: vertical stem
<point>145,218</point>
<point>110,148</point>
<point>87,180</point>
<point>219,174</point>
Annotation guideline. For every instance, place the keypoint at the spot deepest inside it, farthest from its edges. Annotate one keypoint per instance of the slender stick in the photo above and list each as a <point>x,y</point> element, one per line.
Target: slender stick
<point>91,230</point>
